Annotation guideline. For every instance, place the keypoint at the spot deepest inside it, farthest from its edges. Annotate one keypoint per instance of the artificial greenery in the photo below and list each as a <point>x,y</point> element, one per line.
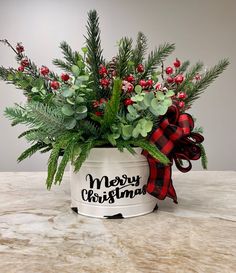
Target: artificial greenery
<point>97,103</point>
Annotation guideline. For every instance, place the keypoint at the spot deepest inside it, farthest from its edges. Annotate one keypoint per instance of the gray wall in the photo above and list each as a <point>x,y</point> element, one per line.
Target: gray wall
<point>202,30</point>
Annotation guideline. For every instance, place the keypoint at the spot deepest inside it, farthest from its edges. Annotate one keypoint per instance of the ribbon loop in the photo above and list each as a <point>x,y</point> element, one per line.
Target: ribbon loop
<point>174,138</point>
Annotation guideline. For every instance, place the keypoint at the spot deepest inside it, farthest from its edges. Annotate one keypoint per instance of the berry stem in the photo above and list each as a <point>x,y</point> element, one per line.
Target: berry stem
<point>6,42</point>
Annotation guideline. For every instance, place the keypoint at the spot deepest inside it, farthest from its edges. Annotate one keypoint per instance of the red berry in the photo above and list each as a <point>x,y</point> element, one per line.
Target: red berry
<point>102,100</point>
<point>24,62</point>
<point>19,48</point>
<point>98,113</point>
<point>169,70</point>
<point>128,102</point>
<point>102,70</point>
<point>130,78</point>
<point>143,83</point>
<point>140,68</point>
<point>149,82</point>
<point>170,80</point>
<point>104,82</point>
<point>21,68</point>
<point>130,88</point>
<point>179,78</point>
<point>96,104</point>
<point>198,77</point>
<point>158,86</point>
<point>65,77</point>
<point>177,63</point>
<point>44,70</point>
<point>181,104</point>
<point>182,95</point>
<point>55,85</point>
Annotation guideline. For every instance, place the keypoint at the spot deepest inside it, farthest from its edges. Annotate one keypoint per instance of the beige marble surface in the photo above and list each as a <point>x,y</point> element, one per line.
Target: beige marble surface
<point>39,233</point>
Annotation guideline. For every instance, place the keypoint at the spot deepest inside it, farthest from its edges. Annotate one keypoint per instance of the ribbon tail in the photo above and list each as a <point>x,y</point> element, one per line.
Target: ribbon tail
<point>159,182</point>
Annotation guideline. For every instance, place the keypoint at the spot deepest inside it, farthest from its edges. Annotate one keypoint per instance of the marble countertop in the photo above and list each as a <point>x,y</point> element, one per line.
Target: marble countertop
<point>39,233</point>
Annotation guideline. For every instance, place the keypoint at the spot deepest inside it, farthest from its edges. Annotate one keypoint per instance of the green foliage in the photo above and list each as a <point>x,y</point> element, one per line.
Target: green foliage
<point>124,55</point>
<point>94,53</point>
<point>156,57</point>
<point>184,66</point>
<point>138,54</point>
<point>199,87</point>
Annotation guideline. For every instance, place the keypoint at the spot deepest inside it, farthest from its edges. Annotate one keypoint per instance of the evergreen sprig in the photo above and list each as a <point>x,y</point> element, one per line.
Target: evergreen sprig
<point>204,159</point>
<point>124,56</point>
<point>199,87</point>
<point>138,54</point>
<point>32,150</point>
<point>156,57</point>
<point>94,53</point>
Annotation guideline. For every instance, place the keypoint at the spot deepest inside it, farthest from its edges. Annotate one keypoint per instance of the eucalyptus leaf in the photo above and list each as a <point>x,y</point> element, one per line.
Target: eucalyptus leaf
<point>170,93</point>
<point>138,89</point>
<point>132,110</point>
<point>161,109</point>
<point>75,70</point>
<point>148,98</point>
<point>70,101</point>
<point>160,95</point>
<point>127,130</point>
<point>67,110</point>
<point>79,99</point>
<point>70,123</point>
<point>83,78</point>
<point>167,102</point>
<point>81,109</point>
<point>68,92</point>
<point>34,90</point>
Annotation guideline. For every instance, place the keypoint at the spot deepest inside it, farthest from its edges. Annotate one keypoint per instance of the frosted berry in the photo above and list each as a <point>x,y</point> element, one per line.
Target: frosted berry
<point>55,85</point>
<point>44,70</point>
<point>130,88</point>
<point>182,95</point>
<point>130,78</point>
<point>98,113</point>
<point>21,68</point>
<point>96,104</point>
<point>198,77</point>
<point>24,62</point>
<point>177,63</point>
<point>140,68</point>
<point>65,77</point>
<point>170,79</point>
<point>102,100</point>
<point>179,78</point>
<point>19,48</point>
<point>181,104</point>
<point>128,102</point>
<point>142,83</point>
<point>158,86</point>
<point>102,70</point>
<point>169,70</point>
<point>104,82</point>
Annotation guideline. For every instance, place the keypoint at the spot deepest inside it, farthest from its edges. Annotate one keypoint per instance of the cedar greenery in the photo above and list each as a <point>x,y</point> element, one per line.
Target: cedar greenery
<point>101,103</point>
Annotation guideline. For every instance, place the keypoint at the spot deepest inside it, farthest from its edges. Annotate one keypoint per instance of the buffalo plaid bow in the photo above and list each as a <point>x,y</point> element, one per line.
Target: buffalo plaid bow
<point>174,138</point>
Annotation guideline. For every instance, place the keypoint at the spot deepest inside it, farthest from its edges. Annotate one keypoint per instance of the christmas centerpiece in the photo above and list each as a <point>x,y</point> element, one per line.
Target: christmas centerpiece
<point>120,124</point>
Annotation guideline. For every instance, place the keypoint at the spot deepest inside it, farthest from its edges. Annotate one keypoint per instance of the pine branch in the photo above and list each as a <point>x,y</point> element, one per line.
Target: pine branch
<point>61,64</point>
<point>90,128</point>
<point>94,54</point>
<point>204,159</point>
<point>184,66</point>
<point>124,55</point>
<point>199,87</point>
<point>156,57</point>
<point>30,151</point>
<point>139,52</point>
<point>28,132</point>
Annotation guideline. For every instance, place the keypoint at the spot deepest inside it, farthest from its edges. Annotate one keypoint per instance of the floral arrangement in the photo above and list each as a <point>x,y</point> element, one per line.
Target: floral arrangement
<point>125,103</point>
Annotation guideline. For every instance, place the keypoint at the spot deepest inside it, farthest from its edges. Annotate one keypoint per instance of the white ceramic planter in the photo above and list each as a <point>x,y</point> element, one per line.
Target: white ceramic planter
<point>111,184</point>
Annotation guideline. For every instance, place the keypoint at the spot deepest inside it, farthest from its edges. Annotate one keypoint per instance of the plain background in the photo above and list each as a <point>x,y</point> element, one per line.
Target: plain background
<point>202,30</point>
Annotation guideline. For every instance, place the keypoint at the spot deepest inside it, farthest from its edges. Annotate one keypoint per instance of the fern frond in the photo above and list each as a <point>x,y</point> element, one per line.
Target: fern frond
<point>112,106</point>
<point>85,149</point>
<point>28,132</point>
<point>204,159</point>
<point>140,49</point>
<point>124,55</point>
<point>90,128</point>
<point>151,149</point>
<point>156,57</point>
<point>30,151</point>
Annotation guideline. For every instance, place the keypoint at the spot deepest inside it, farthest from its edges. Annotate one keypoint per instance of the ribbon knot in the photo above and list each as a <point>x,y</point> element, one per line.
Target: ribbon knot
<point>175,139</point>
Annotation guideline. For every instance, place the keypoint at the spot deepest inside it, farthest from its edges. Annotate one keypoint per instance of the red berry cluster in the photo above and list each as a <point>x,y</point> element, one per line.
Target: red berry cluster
<point>19,48</point>
<point>181,96</point>
<point>99,105</point>
<point>104,81</point>
<point>169,71</point>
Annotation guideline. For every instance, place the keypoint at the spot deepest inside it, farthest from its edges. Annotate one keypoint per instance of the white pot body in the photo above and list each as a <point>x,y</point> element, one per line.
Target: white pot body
<point>111,184</point>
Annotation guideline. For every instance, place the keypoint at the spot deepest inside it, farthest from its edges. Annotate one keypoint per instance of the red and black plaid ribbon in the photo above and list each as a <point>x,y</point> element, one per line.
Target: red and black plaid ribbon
<point>175,139</point>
